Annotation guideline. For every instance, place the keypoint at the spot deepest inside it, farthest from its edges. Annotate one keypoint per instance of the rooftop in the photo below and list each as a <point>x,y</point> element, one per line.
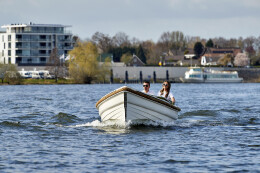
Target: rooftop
<point>33,24</point>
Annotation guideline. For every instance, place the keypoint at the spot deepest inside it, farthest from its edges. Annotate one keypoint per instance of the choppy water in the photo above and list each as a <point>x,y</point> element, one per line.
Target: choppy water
<point>56,128</point>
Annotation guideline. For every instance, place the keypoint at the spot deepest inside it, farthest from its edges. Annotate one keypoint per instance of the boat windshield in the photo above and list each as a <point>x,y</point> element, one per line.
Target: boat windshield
<point>197,69</point>
<point>195,76</point>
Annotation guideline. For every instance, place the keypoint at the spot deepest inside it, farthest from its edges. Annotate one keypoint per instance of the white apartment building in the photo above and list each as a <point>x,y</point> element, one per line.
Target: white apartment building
<point>31,44</point>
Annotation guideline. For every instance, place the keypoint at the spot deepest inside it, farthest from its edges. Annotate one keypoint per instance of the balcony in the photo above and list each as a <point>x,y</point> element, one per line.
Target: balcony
<point>41,31</point>
<point>22,47</point>
<point>33,39</point>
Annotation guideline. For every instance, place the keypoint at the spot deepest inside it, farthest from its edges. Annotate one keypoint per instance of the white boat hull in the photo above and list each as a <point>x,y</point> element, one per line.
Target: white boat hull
<point>126,104</point>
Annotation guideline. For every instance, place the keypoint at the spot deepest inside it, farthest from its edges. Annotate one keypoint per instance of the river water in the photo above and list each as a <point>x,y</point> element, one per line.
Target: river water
<point>56,128</point>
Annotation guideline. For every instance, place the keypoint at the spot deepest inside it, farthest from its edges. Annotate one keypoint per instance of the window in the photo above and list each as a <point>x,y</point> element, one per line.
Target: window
<point>18,60</point>
<point>43,59</point>
<point>26,53</point>
<point>9,45</point>
<point>9,52</point>
<point>9,37</point>
<point>27,29</point>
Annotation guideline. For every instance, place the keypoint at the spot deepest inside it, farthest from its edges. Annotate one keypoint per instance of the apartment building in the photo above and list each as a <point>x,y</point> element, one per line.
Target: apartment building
<point>31,44</point>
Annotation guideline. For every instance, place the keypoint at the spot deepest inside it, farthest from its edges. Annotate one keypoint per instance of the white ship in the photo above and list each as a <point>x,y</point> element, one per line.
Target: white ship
<point>199,75</point>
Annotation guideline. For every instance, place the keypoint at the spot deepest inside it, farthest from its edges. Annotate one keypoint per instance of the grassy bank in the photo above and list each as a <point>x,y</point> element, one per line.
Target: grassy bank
<point>38,82</point>
<point>46,81</point>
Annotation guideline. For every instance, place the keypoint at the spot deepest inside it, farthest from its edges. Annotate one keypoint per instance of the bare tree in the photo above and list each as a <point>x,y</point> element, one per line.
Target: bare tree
<point>164,41</point>
<point>249,41</point>
<point>232,42</point>
<point>121,39</point>
<point>135,42</point>
<point>103,42</point>
<point>220,42</point>
<point>177,41</point>
<point>56,65</point>
<point>9,73</point>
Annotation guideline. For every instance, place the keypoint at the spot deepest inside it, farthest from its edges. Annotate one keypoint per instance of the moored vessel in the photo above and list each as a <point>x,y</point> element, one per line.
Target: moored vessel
<point>199,75</point>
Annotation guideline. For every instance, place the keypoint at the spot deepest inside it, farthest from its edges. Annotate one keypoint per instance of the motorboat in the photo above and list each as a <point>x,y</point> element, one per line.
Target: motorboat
<point>200,75</point>
<point>126,104</point>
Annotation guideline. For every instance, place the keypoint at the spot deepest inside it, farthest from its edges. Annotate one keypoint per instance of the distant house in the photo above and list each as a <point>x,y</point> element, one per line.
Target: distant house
<point>212,55</point>
<point>189,56</point>
<point>209,56</point>
<point>178,58</point>
<point>135,61</point>
<point>241,60</point>
<point>209,60</point>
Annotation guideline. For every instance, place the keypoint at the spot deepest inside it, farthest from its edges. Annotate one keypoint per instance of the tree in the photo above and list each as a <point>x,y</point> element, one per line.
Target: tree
<point>177,41</point>
<point>9,73</point>
<point>154,51</point>
<point>75,39</point>
<point>186,51</point>
<point>150,52</point>
<point>220,42</point>
<point>173,40</point>
<point>240,43</point>
<point>3,70</point>
<point>126,58</point>
<point>56,65</point>
<point>198,49</point>
<point>255,60</point>
<point>141,54</point>
<point>83,67</point>
<point>164,41</point>
<point>227,58</point>
<point>209,43</point>
<point>103,42</point>
<point>249,41</point>
<point>241,60</point>
<point>251,51</point>
<point>118,52</point>
<point>233,42</point>
<point>104,70</point>
<point>121,40</point>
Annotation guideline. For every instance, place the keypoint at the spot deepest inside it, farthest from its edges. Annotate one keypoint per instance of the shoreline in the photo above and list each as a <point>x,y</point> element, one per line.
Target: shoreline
<point>74,83</point>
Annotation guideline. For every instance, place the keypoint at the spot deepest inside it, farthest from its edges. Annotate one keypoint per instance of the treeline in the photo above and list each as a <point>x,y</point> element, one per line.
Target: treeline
<point>121,45</point>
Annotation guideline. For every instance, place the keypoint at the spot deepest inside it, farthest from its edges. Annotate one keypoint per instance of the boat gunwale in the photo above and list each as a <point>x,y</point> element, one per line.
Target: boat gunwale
<point>139,93</point>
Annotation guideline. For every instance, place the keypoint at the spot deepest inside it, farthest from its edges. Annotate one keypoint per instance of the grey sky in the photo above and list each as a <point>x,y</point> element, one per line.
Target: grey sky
<point>143,19</point>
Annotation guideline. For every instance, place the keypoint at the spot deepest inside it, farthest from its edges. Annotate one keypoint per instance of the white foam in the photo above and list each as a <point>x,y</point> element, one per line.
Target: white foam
<point>97,123</point>
<point>122,124</point>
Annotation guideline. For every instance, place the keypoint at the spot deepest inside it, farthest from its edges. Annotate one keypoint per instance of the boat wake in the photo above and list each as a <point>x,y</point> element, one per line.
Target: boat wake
<point>131,124</point>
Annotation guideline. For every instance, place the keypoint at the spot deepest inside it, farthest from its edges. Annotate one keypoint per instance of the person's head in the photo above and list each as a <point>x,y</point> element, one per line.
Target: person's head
<point>166,85</point>
<point>146,85</point>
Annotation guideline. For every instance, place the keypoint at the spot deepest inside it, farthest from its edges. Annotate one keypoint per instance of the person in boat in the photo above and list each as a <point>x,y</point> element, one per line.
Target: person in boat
<point>165,92</point>
<point>146,86</point>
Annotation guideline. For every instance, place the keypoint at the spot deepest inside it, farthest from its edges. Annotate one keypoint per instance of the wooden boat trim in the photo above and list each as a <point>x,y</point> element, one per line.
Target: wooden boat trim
<point>125,88</point>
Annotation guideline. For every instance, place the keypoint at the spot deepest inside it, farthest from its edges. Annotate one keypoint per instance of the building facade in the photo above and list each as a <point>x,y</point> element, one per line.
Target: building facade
<point>31,44</point>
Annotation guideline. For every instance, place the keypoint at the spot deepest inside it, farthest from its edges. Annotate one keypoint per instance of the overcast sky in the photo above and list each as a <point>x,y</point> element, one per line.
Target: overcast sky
<point>142,19</point>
